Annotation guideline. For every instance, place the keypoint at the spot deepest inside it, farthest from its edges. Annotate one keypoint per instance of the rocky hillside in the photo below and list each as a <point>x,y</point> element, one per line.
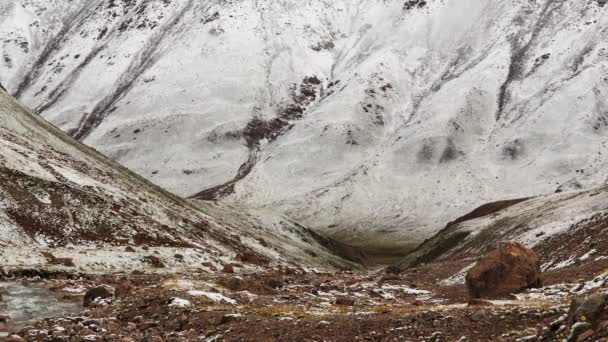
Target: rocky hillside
<point>60,197</point>
<point>566,230</point>
<point>374,121</point>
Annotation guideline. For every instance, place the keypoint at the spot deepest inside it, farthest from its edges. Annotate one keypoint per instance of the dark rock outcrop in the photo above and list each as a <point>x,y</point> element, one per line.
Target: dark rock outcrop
<point>509,269</point>
<point>100,292</point>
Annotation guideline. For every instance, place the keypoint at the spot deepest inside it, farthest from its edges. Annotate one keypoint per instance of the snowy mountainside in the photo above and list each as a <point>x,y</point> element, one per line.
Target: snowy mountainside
<point>562,228</point>
<point>371,121</point>
<point>57,194</point>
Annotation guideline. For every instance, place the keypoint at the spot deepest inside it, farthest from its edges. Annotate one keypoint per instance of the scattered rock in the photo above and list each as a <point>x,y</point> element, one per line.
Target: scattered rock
<point>509,269</point>
<point>251,258</point>
<point>478,315</point>
<point>228,268</point>
<point>345,301</point>
<point>154,261</point>
<point>130,249</point>
<point>591,309</point>
<point>323,324</point>
<point>123,289</point>
<point>100,292</point>
<point>51,259</point>
<point>230,318</point>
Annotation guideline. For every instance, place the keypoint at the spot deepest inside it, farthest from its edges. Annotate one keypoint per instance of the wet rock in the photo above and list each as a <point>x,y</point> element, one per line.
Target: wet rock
<point>511,268</point>
<point>345,301</point>
<point>100,292</point>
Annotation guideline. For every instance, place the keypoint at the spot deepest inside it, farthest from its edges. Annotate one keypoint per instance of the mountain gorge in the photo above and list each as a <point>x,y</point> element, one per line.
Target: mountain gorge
<point>373,122</point>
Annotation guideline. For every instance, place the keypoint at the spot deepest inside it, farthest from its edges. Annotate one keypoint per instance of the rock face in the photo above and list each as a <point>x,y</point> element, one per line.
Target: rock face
<point>506,270</point>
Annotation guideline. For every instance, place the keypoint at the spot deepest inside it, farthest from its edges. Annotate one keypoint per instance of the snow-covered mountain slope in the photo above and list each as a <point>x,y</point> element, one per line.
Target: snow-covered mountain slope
<point>373,121</point>
<point>57,193</point>
<point>562,228</point>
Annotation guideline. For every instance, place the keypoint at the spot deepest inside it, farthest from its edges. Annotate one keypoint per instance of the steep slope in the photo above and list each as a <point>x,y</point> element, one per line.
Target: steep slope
<point>563,228</point>
<point>57,195</point>
<point>373,121</point>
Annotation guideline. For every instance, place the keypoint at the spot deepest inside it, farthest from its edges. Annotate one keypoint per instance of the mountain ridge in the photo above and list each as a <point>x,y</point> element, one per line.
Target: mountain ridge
<point>372,122</point>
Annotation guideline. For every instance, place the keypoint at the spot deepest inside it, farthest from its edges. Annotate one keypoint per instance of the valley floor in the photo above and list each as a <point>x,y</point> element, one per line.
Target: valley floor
<point>296,304</point>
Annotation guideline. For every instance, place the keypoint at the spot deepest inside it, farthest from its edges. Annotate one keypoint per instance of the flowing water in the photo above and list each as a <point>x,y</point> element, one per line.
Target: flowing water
<point>27,303</point>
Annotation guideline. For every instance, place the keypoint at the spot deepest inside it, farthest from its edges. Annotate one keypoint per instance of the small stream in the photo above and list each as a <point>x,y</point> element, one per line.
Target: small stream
<point>27,303</point>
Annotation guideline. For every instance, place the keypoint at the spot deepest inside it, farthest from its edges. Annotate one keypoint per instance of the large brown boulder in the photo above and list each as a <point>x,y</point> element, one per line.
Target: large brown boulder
<point>509,269</point>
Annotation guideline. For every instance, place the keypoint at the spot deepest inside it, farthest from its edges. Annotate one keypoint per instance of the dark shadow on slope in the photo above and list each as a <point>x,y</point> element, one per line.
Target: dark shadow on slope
<point>449,237</point>
<point>257,130</point>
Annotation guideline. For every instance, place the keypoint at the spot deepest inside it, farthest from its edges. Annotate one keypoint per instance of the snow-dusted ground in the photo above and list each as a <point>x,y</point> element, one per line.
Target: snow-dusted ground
<point>532,223</point>
<point>417,112</point>
<point>58,196</point>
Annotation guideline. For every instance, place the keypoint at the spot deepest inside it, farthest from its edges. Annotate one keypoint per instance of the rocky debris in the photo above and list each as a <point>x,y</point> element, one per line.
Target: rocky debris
<point>130,249</point>
<point>229,268</point>
<point>323,324</point>
<point>585,315</point>
<point>154,261</point>
<point>345,301</point>
<point>478,315</point>
<point>95,294</point>
<point>284,303</point>
<point>123,289</point>
<point>53,260</point>
<point>230,318</point>
<point>509,269</point>
<point>251,258</point>
<point>14,338</point>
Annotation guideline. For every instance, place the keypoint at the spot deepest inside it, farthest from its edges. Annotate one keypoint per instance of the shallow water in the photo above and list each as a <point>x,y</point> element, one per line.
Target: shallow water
<point>27,303</point>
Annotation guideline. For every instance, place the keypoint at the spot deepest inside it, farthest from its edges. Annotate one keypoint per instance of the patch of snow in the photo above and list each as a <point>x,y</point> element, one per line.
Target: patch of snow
<point>179,302</point>
<point>587,255</point>
<point>214,296</point>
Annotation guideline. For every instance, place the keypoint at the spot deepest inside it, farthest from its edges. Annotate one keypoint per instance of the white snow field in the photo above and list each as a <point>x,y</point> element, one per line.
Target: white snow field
<point>372,121</point>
